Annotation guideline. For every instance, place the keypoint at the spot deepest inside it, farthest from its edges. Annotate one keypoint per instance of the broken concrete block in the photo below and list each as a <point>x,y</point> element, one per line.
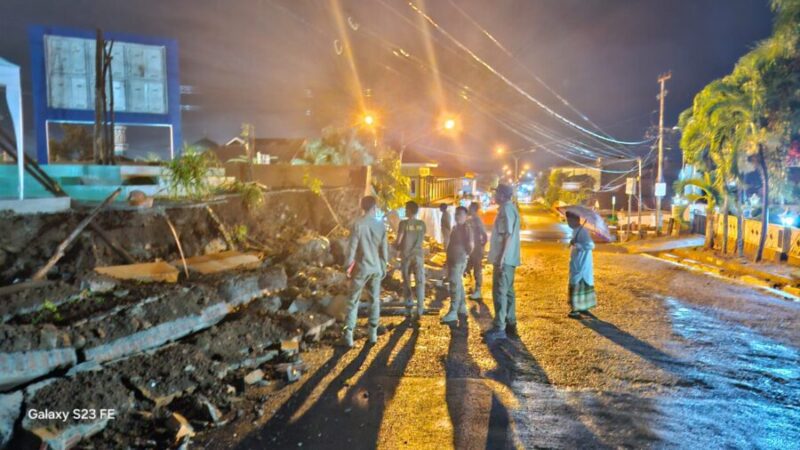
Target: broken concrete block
<point>98,284</point>
<point>254,377</point>
<point>300,305</point>
<point>213,414</point>
<point>157,335</point>
<point>314,332</point>
<point>312,250</point>
<point>269,304</point>
<point>290,345</point>
<point>89,400</point>
<point>20,367</point>
<point>291,371</point>
<point>87,366</point>
<point>240,290</point>
<point>267,356</point>
<point>179,426</point>
<point>10,410</point>
<point>149,272</point>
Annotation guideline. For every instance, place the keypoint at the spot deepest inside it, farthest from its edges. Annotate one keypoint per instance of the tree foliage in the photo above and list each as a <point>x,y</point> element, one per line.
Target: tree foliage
<point>748,119</point>
<point>188,174</point>
<point>343,146</point>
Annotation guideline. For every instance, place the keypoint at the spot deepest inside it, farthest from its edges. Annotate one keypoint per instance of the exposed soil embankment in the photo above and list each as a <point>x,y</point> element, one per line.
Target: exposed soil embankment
<point>28,241</point>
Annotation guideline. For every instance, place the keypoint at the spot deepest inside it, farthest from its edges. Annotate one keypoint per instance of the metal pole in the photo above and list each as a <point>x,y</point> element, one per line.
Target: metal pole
<point>639,182</point>
<point>660,175</point>
<point>516,170</point>
<point>402,146</point>
<point>630,197</point>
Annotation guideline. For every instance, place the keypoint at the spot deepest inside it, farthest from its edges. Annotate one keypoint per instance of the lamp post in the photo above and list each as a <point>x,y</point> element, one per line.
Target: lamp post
<point>515,155</point>
<point>449,123</point>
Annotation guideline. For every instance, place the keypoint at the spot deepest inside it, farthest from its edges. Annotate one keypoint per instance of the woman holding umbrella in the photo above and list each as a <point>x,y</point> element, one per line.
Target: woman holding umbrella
<point>581,273</point>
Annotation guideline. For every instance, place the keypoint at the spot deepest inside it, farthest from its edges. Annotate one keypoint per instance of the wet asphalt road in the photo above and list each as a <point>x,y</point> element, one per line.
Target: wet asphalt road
<point>674,359</point>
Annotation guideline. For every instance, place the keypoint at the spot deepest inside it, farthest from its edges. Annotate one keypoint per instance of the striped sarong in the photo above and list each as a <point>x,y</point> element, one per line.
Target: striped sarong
<point>582,296</point>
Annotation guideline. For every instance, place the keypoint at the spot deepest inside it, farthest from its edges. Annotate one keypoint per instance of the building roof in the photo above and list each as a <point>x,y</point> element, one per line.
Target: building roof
<point>205,144</point>
<point>412,156</point>
<point>282,149</point>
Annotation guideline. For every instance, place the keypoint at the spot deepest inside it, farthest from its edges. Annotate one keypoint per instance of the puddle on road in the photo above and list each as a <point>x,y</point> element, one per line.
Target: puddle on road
<point>751,396</point>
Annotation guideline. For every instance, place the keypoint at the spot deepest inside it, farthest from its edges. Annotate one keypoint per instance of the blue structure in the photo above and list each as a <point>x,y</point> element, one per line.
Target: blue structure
<point>43,113</point>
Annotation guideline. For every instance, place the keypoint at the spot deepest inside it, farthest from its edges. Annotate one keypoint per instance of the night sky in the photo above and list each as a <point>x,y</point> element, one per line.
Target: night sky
<point>271,62</point>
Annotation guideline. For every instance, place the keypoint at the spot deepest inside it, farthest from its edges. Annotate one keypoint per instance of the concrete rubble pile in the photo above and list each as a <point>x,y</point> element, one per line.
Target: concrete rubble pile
<point>154,363</point>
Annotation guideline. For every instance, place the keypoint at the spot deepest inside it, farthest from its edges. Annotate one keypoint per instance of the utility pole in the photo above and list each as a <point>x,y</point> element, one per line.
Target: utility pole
<point>630,209</point>
<point>639,183</point>
<point>660,172</point>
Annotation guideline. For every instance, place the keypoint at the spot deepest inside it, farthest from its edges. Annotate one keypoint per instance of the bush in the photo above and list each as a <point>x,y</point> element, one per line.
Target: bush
<point>189,174</point>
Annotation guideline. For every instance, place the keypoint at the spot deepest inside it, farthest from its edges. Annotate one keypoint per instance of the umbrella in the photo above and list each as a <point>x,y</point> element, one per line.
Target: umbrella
<point>591,220</point>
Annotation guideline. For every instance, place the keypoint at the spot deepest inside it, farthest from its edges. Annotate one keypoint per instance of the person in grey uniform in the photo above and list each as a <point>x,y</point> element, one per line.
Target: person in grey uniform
<point>367,256</point>
<point>446,225</point>
<point>410,237</point>
<point>504,249</point>
<point>475,263</point>
<point>461,243</point>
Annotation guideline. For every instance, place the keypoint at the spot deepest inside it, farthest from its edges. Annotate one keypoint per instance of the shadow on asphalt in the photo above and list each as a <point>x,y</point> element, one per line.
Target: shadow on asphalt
<point>516,362</point>
<point>354,421</point>
<point>637,346</point>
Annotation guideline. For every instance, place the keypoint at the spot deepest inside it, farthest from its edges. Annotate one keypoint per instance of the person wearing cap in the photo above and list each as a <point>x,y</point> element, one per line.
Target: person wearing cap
<point>504,255</point>
<point>367,256</point>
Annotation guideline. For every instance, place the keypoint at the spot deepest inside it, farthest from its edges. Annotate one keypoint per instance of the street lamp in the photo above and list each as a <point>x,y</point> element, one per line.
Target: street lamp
<point>501,150</point>
<point>369,120</point>
<point>448,125</point>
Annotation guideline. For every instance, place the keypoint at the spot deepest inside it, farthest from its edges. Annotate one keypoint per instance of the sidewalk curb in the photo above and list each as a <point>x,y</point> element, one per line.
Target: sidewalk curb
<point>787,292</point>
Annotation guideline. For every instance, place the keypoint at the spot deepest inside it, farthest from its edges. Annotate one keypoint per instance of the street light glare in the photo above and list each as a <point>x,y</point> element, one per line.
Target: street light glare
<point>449,124</point>
<point>499,150</point>
<point>369,119</point>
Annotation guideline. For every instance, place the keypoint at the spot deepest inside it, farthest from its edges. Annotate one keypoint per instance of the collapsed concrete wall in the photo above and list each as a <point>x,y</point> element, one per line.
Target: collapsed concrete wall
<point>27,241</point>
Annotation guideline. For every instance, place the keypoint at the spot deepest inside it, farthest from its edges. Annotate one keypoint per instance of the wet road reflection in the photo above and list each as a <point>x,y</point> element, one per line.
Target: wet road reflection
<point>752,384</point>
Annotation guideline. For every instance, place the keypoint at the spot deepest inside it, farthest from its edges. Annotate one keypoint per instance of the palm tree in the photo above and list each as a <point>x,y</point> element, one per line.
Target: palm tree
<point>750,112</point>
<point>710,143</point>
<point>709,194</point>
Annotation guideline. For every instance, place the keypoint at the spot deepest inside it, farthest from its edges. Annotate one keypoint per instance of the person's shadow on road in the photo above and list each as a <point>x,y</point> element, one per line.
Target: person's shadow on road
<point>635,345</point>
<point>515,362</point>
<point>343,415</point>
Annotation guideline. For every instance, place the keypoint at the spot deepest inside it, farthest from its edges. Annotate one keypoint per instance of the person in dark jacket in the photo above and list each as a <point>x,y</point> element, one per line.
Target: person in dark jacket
<point>446,224</point>
<point>475,263</point>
